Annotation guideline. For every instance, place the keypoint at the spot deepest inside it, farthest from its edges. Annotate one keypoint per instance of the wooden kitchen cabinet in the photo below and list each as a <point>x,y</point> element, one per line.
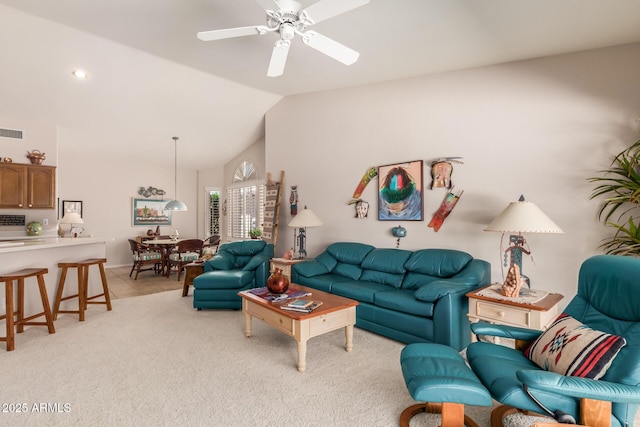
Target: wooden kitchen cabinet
<point>27,186</point>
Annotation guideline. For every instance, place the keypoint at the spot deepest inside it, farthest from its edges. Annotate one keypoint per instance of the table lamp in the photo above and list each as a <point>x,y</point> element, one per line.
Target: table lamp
<point>521,217</point>
<point>71,218</point>
<point>305,218</point>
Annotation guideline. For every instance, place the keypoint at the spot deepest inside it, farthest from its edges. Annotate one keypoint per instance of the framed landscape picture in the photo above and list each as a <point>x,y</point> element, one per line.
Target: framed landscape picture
<point>150,212</point>
<point>400,195</point>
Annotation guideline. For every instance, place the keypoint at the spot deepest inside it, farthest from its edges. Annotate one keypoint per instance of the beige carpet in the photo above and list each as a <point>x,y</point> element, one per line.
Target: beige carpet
<point>155,361</point>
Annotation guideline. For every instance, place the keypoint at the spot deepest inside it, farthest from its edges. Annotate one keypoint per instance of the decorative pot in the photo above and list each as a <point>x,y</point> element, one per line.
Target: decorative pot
<point>34,229</point>
<point>36,157</point>
<point>278,283</point>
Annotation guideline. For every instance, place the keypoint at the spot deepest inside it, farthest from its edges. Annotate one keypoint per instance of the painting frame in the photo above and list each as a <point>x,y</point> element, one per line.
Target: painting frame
<point>148,212</point>
<point>401,191</point>
<point>71,206</point>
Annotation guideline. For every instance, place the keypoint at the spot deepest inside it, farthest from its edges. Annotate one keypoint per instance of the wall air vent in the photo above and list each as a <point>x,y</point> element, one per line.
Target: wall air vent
<point>11,133</point>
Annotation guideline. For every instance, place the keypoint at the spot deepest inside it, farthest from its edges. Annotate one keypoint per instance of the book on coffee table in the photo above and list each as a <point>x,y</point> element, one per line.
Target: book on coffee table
<point>290,294</point>
<point>307,309</point>
<point>300,303</point>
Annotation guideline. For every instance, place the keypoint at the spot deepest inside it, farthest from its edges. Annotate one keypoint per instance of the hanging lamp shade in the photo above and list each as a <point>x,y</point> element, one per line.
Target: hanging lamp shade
<point>175,204</point>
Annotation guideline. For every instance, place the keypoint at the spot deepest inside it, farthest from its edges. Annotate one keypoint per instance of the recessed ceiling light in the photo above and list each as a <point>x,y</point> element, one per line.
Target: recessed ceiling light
<point>79,74</point>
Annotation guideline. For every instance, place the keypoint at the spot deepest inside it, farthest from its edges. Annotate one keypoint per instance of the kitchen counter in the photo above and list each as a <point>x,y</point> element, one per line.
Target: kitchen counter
<point>44,252</point>
<point>35,243</point>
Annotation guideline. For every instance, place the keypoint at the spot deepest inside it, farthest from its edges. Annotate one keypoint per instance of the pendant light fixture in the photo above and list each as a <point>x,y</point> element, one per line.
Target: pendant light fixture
<point>175,204</point>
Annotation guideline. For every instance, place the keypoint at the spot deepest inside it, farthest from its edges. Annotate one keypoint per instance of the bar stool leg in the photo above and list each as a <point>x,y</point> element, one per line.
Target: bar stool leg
<point>56,304</point>
<point>45,304</point>
<point>8,286</point>
<point>83,279</point>
<point>20,313</point>
<point>105,287</point>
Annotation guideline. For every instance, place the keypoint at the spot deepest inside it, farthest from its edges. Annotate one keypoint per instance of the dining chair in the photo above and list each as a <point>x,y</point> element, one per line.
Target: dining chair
<point>187,251</point>
<point>212,242</point>
<point>145,258</point>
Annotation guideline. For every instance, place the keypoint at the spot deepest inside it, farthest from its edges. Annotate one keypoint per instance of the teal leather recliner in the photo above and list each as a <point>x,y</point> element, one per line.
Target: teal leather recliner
<point>608,300</point>
<point>237,266</point>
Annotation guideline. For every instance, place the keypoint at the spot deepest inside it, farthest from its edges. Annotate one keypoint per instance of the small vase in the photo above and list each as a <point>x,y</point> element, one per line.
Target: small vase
<point>278,283</point>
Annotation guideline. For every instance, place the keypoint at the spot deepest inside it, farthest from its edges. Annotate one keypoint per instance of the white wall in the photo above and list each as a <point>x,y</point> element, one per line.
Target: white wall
<point>538,128</point>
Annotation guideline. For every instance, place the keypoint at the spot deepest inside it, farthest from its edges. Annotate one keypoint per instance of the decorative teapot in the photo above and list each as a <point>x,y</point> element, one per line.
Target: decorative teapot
<point>36,157</point>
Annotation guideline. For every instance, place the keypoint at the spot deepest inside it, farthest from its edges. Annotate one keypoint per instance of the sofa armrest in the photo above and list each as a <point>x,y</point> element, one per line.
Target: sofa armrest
<point>308,269</point>
<point>435,290</point>
<point>476,272</point>
<point>220,261</point>
<point>580,387</point>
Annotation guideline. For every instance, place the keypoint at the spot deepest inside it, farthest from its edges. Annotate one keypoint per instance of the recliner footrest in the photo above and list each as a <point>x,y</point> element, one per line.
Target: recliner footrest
<point>435,373</point>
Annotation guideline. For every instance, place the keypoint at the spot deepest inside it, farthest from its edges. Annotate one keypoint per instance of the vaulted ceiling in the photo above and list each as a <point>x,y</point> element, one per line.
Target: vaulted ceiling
<point>395,38</point>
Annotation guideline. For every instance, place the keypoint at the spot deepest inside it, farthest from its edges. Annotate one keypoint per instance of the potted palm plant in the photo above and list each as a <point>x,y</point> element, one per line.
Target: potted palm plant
<point>620,185</point>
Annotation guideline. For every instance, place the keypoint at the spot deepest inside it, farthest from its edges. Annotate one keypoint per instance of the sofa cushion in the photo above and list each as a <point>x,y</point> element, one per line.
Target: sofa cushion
<point>232,279</point>
<point>403,300</point>
<point>388,279</point>
<point>325,259</point>
<point>349,271</point>
<point>387,260</point>
<point>255,262</point>
<point>348,252</point>
<point>569,347</point>
<point>358,290</point>
<point>437,262</point>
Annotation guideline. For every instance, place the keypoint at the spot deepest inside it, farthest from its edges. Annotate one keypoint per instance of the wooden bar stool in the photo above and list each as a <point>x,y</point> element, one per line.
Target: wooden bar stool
<point>8,280</point>
<point>83,285</point>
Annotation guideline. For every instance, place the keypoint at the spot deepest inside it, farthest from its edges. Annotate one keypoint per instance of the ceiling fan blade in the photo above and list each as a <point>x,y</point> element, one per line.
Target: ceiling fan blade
<point>330,47</point>
<point>278,58</point>
<point>228,33</point>
<point>325,9</point>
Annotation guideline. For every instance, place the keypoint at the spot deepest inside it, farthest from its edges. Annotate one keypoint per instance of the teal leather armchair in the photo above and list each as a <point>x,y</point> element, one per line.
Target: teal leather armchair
<point>608,300</point>
<point>237,266</point>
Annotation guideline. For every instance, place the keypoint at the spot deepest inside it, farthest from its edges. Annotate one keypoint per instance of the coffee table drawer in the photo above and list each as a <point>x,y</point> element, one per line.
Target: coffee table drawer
<point>271,317</point>
<point>328,322</point>
<point>503,314</point>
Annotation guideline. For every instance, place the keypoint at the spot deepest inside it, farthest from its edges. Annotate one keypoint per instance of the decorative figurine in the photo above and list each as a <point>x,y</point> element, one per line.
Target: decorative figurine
<point>513,283</point>
<point>293,200</point>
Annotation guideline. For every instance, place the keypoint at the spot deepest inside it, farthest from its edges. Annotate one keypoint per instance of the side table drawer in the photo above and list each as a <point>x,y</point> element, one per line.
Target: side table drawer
<point>503,314</point>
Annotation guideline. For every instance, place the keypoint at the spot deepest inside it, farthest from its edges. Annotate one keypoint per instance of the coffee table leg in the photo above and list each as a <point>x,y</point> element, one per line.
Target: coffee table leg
<point>302,355</point>
<point>348,332</point>
<point>247,324</point>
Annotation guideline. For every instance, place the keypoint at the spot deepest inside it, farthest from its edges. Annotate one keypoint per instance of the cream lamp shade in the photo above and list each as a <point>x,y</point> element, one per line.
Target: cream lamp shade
<point>71,218</point>
<point>305,218</point>
<point>523,217</point>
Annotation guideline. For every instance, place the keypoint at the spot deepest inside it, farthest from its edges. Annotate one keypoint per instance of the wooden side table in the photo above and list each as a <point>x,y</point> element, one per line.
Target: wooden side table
<point>536,315</point>
<point>192,270</point>
<point>284,265</point>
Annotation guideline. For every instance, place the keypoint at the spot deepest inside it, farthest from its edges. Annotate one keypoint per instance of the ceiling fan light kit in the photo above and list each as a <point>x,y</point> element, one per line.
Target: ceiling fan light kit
<point>290,19</point>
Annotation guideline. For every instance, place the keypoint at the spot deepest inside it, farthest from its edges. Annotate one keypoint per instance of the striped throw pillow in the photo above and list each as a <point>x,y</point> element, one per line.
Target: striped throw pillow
<point>571,348</point>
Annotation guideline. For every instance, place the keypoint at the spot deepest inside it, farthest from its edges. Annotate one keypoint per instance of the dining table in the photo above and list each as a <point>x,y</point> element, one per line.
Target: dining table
<point>166,246</point>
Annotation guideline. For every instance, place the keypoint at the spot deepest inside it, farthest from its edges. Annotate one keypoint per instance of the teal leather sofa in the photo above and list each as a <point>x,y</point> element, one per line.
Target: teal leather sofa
<point>409,296</point>
<point>237,266</point>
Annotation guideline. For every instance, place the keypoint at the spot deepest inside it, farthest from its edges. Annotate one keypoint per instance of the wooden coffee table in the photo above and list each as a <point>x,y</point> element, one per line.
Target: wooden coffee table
<point>335,312</point>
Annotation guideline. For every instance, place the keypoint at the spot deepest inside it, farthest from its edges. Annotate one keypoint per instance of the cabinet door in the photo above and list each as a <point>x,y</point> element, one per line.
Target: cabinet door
<point>41,193</point>
<point>12,185</point>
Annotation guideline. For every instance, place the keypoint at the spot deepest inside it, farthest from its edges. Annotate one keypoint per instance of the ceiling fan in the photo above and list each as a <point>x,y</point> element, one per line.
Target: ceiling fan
<point>290,19</point>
